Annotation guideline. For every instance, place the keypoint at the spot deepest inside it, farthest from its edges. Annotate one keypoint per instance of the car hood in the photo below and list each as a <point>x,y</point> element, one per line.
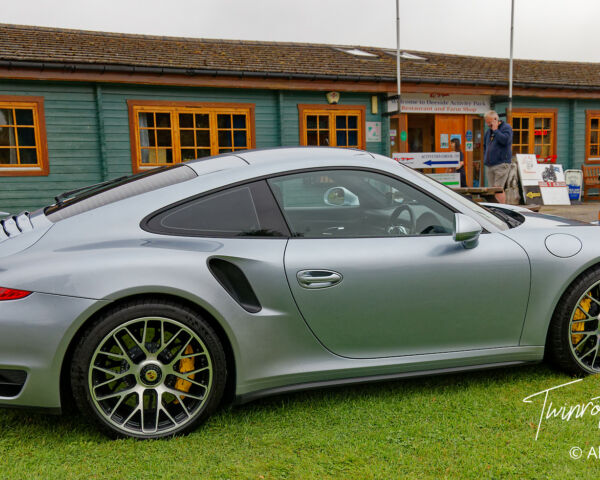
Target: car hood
<point>540,220</point>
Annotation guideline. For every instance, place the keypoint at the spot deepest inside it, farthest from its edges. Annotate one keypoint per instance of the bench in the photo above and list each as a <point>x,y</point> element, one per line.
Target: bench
<point>591,178</point>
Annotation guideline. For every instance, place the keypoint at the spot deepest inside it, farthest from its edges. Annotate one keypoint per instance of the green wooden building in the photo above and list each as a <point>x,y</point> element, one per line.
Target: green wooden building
<point>80,107</point>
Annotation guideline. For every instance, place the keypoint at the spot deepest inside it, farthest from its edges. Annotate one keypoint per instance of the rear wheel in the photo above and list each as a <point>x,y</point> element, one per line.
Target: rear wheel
<point>574,336</point>
<point>149,369</point>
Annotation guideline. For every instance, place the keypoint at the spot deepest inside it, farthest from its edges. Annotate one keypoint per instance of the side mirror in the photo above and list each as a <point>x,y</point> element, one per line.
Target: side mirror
<point>466,230</point>
<point>340,197</point>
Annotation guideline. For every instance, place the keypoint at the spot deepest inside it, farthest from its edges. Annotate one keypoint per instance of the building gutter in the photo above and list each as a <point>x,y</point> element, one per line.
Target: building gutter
<point>131,69</point>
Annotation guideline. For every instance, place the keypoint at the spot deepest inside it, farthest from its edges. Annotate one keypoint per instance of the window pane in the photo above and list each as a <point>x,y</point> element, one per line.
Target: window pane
<point>239,139</point>
<point>146,155</point>
<point>594,136</point>
<point>8,156</point>
<point>594,124</point>
<point>324,138</point>
<point>28,156</point>
<point>165,155</point>
<point>340,138</point>
<point>24,117</point>
<point>352,121</point>
<point>352,138</point>
<point>323,122</point>
<point>163,138</point>
<point>311,121</point>
<point>525,137</point>
<point>224,121</point>
<point>152,138</point>
<point>231,212</point>
<point>239,121</point>
<point>7,137</point>
<point>145,137</point>
<point>146,119</point>
<point>186,120</point>
<point>225,150</point>
<point>593,150</point>
<point>342,197</point>
<point>311,138</point>
<point>163,120</point>
<point>516,123</point>
<point>537,123</point>
<point>187,138</point>
<point>525,123</point>
<point>340,121</point>
<point>546,151</point>
<point>225,139</point>
<point>202,153</point>
<point>187,154</point>
<point>6,116</point>
<point>26,137</point>
<point>202,138</point>
<point>202,120</point>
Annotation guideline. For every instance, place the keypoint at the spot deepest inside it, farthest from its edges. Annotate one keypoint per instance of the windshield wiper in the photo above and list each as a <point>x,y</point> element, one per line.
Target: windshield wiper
<point>59,199</point>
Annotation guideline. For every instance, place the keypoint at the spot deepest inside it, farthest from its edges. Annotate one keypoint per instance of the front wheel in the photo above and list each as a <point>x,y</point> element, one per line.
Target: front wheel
<point>149,369</point>
<point>574,335</point>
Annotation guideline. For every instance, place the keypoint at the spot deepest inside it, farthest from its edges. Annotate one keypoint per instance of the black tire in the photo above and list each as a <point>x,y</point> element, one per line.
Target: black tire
<point>577,353</point>
<point>131,370</point>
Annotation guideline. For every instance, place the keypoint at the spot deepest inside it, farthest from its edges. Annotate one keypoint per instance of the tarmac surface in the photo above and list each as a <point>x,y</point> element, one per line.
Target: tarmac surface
<point>587,212</point>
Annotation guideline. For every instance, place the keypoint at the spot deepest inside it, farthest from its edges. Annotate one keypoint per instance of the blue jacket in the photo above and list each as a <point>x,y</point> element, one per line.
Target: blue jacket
<point>497,149</point>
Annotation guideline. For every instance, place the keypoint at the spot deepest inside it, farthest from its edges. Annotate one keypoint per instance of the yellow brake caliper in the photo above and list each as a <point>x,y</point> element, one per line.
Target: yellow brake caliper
<point>185,365</point>
<point>578,326</point>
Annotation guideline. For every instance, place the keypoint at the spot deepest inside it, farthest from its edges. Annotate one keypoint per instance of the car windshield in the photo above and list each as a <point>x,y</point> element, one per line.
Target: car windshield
<point>490,216</point>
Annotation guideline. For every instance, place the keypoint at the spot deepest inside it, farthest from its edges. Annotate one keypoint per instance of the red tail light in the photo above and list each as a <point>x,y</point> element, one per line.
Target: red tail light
<point>12,294</point>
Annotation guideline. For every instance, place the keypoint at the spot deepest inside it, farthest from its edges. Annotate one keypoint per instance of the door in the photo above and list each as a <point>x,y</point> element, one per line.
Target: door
<point>446,128</point>
<point>475,157</point>
<point>375,272</point>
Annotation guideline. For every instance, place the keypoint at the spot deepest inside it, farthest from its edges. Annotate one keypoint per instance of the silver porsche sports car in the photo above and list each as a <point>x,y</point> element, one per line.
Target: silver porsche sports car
<point>151,299</point>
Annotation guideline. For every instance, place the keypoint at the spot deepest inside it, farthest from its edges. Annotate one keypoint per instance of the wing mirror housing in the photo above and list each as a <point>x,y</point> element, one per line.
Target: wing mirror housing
<point>466,230</point>
<point>340,197</point>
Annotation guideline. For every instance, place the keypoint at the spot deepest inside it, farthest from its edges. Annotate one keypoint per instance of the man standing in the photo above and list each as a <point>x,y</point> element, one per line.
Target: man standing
<point>497,152</point>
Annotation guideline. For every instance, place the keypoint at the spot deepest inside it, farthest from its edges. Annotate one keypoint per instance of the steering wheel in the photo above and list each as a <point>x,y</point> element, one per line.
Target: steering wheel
<point>396,227</point>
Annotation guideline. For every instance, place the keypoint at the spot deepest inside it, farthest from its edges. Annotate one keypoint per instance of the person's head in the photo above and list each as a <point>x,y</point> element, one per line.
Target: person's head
<point>491,118</point>
<point>455,144</point>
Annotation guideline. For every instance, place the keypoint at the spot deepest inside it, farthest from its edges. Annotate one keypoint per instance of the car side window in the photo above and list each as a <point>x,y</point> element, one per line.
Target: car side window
<point>242,211</point>
<point>353,203</point>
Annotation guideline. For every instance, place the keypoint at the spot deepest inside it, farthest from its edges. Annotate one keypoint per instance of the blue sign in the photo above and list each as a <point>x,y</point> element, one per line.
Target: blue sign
<point>469,135</point>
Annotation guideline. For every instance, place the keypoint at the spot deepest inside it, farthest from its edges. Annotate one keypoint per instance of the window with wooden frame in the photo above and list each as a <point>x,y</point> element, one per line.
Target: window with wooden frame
<point>332,125</point>
<point>592,136</point>
<point>165,133</point>
<point>534,132</point>
<point>23,149</point>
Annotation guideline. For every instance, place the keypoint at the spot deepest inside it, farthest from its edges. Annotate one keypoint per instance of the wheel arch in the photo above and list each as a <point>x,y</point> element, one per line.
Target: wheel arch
<point>66,396</point>
<point>565,291</point>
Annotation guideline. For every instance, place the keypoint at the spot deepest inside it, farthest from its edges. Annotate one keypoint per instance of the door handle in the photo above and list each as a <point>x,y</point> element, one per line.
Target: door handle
<point>318,278</point>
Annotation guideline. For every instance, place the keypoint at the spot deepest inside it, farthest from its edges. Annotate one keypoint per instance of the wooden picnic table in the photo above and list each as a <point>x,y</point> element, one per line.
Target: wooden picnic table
<point>480,194</point>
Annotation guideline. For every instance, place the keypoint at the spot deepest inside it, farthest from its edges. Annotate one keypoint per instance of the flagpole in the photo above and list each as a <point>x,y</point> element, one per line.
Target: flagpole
<point>510,67</point>
<point>398,53</point>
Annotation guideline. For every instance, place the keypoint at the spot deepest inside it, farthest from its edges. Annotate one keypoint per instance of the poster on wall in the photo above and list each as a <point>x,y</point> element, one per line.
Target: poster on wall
<point>444,140</point>
<point>373,131</point>
<point>457,136</point>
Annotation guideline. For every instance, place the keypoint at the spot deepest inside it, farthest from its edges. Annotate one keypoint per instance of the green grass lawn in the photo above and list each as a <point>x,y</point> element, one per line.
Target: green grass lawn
<point>471,425</point>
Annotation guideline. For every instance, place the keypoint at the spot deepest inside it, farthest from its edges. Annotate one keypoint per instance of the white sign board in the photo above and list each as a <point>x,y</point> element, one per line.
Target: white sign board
<point>549,177</point>
<point>373,131</point>
<point>451,180</point>
<point>532,172</point>
<point>555,193</point>
<point>441,103</point>
<point>428,159</point>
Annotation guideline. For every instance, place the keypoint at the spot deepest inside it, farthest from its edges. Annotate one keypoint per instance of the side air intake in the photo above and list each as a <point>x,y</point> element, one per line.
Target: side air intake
<point>233,280</point>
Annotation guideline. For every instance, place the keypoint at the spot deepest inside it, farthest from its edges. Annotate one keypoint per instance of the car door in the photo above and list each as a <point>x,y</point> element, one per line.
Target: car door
<point>393,282</point>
